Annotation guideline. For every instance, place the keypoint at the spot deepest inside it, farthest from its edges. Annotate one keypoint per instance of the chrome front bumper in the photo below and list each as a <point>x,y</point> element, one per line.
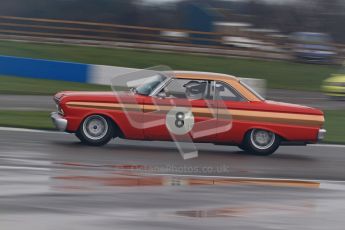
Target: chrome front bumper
<point>321,135</point>
<point>59,122</point>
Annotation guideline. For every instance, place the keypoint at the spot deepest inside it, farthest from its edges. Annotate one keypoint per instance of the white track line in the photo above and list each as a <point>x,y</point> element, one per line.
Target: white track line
<point>27,130</point>
<point>243,178</point>
<point>326,145</point>
<point>23,168</point>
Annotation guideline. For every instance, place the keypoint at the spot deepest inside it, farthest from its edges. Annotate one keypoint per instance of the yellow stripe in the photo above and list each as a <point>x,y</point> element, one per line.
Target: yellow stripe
<point>99,105</point>
<point>275,117</point>
<point>235,114</point>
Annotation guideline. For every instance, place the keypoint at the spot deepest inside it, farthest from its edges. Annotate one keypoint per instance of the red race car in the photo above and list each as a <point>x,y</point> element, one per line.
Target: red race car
<point>201,107</point>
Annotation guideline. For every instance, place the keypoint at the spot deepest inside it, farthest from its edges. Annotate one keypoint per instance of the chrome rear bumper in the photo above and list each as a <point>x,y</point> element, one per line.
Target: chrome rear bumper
<point>321,135</point>
<point>59,122</point>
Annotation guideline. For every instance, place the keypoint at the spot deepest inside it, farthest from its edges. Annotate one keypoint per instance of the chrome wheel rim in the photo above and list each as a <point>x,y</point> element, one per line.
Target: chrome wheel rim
<point>95,127</point>
<point>262,139</point>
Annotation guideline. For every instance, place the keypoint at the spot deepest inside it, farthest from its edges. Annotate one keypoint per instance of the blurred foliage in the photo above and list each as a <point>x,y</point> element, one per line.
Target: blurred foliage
<point>279,74</point>
<point>305,15</point>
<point>287,16</point>
<point>128,12</point>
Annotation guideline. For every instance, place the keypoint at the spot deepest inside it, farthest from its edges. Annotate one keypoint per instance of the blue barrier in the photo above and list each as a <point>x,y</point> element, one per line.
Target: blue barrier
<point>44,69</point>
<point>77,72</point>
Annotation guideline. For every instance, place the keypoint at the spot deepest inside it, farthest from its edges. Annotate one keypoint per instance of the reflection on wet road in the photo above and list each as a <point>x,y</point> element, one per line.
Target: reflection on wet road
<point>121,199</point>
<point>49,182</point>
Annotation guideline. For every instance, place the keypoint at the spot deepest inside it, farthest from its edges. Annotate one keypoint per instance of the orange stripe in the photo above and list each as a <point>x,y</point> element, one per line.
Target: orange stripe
<point>235,114</point>
<point>275,117</point>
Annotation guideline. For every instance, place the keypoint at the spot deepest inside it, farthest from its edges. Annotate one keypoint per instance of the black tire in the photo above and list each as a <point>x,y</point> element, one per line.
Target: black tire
<point>242,147</point>
<point>96,130</point>
<point>266,147</point>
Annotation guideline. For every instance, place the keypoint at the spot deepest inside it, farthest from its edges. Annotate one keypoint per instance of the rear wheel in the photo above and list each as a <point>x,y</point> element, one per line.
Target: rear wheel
<point>96,130</point>
<point>261,142</point>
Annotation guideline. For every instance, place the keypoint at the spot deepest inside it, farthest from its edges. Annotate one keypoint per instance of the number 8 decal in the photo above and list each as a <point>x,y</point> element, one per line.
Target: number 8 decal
<point>180,120</point>
<point>179,123</point>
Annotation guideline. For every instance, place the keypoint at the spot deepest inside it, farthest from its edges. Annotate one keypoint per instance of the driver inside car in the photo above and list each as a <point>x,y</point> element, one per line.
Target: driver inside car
<point>185,89</point>
<point>195,90</point>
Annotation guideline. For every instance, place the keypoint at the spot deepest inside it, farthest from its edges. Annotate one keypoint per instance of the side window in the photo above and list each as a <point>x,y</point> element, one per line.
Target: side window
<point>186,88</point>
<point>227,93</point>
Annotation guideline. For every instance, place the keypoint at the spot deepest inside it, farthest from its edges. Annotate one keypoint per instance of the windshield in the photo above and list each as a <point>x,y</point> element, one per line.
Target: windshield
<point>148,87</point>
<point>252,90</point>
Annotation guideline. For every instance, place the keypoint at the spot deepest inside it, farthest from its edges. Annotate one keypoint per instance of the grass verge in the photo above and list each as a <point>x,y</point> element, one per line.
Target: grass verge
<point>335,125</point>
<point>26,119</point>
<point>335,122</point>
<point>279,74</point>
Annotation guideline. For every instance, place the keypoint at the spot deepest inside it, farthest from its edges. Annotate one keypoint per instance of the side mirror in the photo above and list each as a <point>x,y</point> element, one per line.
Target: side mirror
<point>161,95</point>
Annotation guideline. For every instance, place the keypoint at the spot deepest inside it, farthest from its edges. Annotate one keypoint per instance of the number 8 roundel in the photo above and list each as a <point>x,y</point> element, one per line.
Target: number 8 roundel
<point>179,120</point>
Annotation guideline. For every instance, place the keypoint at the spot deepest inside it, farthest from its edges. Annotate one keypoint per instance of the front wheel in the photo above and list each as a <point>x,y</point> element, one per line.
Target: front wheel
<point>95,130</point>
<point>243,147</point>
<point>261,142</point>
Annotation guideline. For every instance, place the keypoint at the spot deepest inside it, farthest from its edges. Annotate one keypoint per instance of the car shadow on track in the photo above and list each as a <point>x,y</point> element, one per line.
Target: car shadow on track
<point>170,148</point>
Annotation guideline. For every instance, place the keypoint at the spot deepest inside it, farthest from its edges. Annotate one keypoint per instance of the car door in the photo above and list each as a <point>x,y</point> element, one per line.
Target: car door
<point>228,101</point>
<point>181,107</point>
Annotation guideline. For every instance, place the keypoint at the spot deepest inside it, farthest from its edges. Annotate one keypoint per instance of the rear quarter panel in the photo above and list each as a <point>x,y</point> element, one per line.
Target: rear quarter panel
<point>292,123</point>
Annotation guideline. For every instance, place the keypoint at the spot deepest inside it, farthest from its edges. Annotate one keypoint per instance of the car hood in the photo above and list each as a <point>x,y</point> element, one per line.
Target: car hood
<point>106,96</point>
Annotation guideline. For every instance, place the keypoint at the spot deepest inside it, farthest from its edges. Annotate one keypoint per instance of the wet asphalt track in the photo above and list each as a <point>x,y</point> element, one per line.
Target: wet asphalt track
<point>311,162</point>
<point>50,181</point>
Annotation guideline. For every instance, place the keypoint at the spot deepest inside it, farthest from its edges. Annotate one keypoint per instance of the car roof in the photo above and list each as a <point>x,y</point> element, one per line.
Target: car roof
<point>204,75</point>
